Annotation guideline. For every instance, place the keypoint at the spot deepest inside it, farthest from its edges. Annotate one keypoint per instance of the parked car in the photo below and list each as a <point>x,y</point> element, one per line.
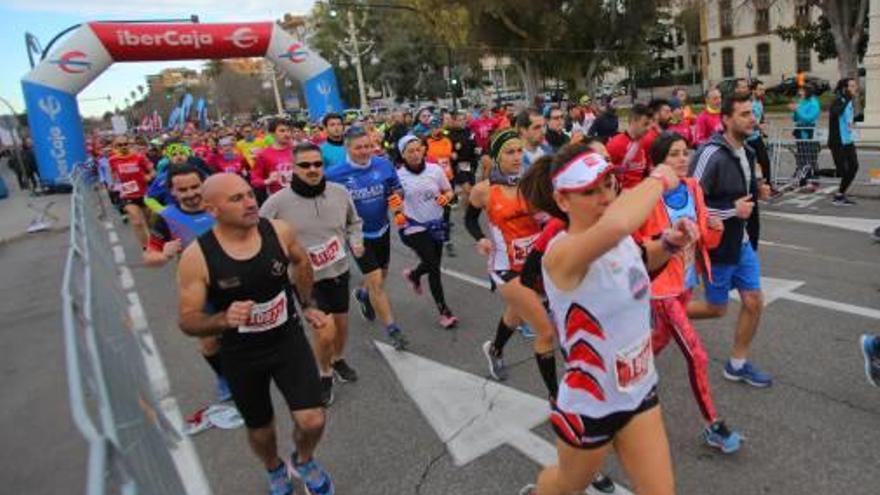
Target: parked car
<point>788,87</point>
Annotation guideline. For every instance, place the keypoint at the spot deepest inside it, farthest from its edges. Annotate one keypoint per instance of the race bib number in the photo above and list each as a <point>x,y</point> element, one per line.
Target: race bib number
<point>521,248</point>
<point>634,364</point>
<point>129,187</point>
<point>267,315</point>
<point>464,166</point>
<point>326,254</point>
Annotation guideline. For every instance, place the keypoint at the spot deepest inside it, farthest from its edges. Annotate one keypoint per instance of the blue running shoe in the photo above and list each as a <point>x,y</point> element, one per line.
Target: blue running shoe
<point>749,374</point>
<point>279,481</point>
<point>363,299</point>
<point>526,331</point>
<point>398,340</point>
<point>223,392</point>
<point>719,436</point>
<point>313,476</point>
<point>871,353</point>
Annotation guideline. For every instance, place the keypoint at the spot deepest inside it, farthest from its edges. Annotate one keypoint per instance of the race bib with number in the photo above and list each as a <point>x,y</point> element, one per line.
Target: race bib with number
<point>634,364</point>
<point>521,248</point>
<point>129,187</point>
<point>266,315</point>
<point>464,166</point>
<point>326,254</point>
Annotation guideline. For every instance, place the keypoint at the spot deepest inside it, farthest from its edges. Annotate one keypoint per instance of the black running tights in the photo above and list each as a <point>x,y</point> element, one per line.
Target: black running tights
<point>430,253</point>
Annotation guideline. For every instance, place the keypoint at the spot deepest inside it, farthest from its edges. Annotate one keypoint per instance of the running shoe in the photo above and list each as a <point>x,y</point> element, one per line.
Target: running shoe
<point>344,373</point>
<point>749,374</point>
<point>871,353</point>
<point>363,299</point>
<point>327,390</point>
<point>497,370</point>
<point>719,436</point>
<point>448,320</point>
<point>415,285</point>
<point>602,483</point>
<point>395,334</point>
<point>279,481</point>
<point>223,392</point>
<point>526,331</point>
<point>450,250</point>
<point>313,476</point>
<point>841,200</point>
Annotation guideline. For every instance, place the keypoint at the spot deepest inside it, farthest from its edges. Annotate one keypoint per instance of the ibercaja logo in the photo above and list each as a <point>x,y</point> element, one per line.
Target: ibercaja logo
<point>72,62</point>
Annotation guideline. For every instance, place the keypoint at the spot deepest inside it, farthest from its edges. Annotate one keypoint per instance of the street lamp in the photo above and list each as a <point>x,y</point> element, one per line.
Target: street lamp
<point>351,47</point>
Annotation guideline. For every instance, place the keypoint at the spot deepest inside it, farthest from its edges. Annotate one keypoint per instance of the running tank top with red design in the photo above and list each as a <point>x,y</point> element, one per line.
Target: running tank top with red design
<point>513,227</point>
<point>604,331</point>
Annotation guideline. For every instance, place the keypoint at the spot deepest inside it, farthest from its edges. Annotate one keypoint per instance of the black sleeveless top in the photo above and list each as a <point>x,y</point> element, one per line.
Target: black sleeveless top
<point>262,279</point>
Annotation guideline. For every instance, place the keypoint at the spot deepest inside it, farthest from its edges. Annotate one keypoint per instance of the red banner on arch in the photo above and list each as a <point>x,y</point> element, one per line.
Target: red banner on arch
<point>151,42</point>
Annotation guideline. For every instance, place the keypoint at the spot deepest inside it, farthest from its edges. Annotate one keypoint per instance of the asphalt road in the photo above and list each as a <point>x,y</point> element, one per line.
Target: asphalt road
<point>814,431</point>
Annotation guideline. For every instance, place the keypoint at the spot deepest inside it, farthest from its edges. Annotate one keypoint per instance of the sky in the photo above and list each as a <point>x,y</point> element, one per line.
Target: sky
<point>46,18</point>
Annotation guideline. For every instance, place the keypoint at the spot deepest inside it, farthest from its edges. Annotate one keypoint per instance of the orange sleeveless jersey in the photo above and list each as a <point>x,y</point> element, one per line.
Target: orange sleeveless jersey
<point>514,229</point>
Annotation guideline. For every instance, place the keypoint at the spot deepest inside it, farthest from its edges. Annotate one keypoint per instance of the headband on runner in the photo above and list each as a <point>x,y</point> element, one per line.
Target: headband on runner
<point>581,173</point>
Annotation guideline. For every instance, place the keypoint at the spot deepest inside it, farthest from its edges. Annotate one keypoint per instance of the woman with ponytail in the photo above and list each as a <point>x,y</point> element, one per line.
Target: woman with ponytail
<point>596,280</point>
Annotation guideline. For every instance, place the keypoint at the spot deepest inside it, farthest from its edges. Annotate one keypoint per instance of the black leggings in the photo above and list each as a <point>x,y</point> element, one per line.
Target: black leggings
<point>430,253</point>
<point>847,164</point>
<point>762,157</point>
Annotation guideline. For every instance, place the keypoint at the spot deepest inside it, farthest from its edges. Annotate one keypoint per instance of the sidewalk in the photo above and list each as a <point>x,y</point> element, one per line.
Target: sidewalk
<point>20,209</point>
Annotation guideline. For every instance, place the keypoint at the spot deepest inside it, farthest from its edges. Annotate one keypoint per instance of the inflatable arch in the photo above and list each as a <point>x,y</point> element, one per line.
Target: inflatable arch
<point>51,87</point>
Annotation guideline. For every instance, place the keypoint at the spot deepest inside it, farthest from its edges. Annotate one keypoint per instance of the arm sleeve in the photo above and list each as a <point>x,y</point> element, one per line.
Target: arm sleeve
<point>354,225</point>
<point>472,222</point>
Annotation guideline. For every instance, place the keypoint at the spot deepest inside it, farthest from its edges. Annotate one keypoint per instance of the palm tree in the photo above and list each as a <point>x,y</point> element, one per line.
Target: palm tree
<point>133,95</point>
<point>213,68</point>
<point>141,89</point>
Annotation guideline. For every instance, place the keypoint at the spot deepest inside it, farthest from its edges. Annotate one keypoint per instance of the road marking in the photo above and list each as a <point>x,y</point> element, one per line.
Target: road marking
<point>479,282</point>
<point>784,246</point>
<point>473,415</point>
<point>800,200</point>
<point>780,288</point>
<point>863,225</point>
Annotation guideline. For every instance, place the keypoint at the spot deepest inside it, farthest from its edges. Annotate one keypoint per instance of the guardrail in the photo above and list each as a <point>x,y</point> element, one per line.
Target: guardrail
<point>119,391</point>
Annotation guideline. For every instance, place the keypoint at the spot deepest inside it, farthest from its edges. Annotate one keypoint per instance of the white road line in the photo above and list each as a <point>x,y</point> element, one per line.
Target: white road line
<point>833,305</point>
<point>114,237</point>
<point>118,254</point>
<point>784,246</point>
<point>479,282</point>
<point>863,225</point>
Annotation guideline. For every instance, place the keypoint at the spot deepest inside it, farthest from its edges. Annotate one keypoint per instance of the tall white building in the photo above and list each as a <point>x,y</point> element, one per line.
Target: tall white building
<point>735,30</point>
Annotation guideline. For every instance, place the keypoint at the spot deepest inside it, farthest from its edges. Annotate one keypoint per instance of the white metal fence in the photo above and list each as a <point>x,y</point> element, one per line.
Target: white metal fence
<point>119,392</point>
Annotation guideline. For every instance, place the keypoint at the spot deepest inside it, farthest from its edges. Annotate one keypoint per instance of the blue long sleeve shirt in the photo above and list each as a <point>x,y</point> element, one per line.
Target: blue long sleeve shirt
<point>369,186</point>
<point>805,115</point>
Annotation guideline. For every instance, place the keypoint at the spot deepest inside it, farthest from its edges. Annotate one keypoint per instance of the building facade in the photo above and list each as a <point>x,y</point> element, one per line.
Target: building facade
<point>734,31</point>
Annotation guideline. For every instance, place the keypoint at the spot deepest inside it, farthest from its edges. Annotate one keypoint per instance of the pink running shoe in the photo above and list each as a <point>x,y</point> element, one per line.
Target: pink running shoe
<point>448,321</point>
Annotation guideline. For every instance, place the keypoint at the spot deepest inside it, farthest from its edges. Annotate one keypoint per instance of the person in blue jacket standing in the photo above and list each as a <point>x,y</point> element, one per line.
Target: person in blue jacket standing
<point>840,138</point>
<point>375,189</point>
<point>806,113</point>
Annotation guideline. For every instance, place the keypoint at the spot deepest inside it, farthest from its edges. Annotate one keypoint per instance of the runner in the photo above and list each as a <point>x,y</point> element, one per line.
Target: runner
<point>627,153</point>
<point>426,194</point>
<point>661,114</point>
<point>709,120</point>
<point>513,229</point>
<point>464,156</point>
<point>333,149</point>
<point>756,139</point>
<point>249,145</point>
<point>805,114</point>
<point>240,268</point>
<point>840,138</point>
<point>132,172</point>
<point>274,165</point>
<point>606,124</point>
<point>555,133</point>
<point>671,287</point>
<point>530,125</point>
<point>227,159</point>
<point>375,188</point>
<point>325,219</point>
<point>596,278</point>
<point>726,171</point>
<point>439,152</point>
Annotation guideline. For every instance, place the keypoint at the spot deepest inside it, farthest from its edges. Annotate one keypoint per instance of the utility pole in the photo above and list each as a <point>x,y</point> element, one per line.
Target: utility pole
<point>356,52</point>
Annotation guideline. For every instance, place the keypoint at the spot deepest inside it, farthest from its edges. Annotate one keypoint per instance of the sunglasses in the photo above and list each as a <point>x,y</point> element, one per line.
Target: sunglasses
<point>317,164</point>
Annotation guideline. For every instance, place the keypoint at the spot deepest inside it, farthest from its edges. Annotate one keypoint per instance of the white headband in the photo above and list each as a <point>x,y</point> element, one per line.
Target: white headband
<point>581,173</point>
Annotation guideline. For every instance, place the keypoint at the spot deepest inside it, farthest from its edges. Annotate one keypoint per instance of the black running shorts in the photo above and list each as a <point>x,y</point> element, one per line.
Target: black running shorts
<point>332,294</point>
<point>583,432</point>
<point>289,362</point>
<point>377,254</point>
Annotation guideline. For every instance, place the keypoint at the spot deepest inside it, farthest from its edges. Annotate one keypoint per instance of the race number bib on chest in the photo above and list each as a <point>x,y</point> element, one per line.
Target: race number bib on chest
<point>522,247</point>
<point>267,315</point>
<point>129,187</point>
<point>634,364</point>
<point>327,253</point>
<point>464,166</point>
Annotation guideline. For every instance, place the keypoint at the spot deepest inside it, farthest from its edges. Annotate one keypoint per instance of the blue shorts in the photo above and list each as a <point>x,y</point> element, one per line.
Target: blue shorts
<point>743,276</point>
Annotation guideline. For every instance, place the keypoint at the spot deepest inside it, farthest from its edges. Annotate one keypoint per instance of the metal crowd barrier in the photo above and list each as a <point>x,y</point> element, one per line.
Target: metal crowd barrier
<point>119,392</point>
